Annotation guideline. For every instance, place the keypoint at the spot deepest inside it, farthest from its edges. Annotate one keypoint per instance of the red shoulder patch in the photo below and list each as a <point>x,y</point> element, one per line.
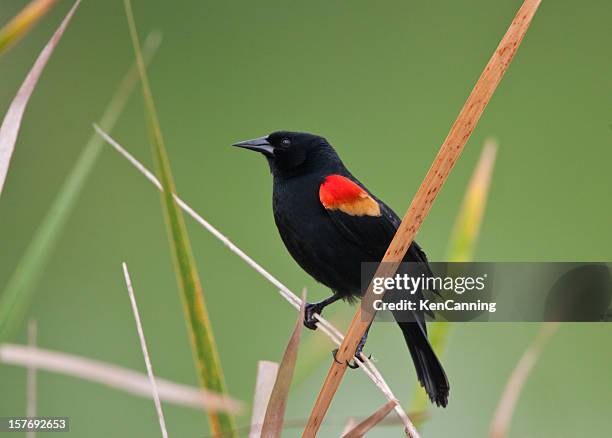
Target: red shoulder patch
<point>340,193</point>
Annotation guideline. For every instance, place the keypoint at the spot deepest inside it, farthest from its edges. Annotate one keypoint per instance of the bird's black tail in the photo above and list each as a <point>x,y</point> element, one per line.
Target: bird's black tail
<point>428,368</point>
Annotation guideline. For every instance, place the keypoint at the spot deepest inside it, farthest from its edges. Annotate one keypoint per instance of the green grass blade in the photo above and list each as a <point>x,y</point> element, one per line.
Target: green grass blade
<point>461,248</point>
<point>203,344</point>
<point>15,29</point>
<point>16,295</point>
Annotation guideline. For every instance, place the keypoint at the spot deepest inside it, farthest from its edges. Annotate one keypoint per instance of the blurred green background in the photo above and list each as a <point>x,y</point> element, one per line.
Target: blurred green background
<point>383,82</point>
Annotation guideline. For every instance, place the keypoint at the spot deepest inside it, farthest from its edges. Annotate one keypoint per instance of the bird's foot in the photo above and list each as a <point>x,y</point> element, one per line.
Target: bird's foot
<point>352,364</point>
<point>310,321</point>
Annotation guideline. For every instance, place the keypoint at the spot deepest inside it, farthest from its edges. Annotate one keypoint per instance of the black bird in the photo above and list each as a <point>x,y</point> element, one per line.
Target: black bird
<point>330,224</point>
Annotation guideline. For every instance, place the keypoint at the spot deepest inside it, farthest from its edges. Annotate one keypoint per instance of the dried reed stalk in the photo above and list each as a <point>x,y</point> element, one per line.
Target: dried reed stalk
<point>366,425</point>
<point>266,376</point>
<point>350,425</point>
<point>116,377</point>
<point>145,352</point>
<point>275,412</point>
<point>12,120</point>
<point>421,204</point>
<point>325,326</point>
<point>514,386</point>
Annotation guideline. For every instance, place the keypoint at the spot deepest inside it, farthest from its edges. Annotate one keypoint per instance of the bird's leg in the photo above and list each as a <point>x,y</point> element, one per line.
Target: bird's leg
<point>310,309</point>
<point>360,345</point>
<point>362,342</point>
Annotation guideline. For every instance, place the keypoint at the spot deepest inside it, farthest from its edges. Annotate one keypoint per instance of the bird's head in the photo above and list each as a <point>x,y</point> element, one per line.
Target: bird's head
<point>293,152</point>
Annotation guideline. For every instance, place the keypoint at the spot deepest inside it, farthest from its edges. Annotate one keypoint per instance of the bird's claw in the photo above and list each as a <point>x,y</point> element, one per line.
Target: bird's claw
<point>352,364</point>
<point>310,320</point>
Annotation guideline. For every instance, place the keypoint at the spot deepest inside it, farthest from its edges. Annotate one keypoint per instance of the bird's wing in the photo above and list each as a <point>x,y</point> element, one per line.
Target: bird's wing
<point>369,223</point>
<point>415,252</point>
<point>362,218</point>
<point>357,214</point>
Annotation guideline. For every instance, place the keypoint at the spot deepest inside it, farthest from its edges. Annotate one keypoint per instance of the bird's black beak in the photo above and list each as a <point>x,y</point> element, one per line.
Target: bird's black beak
<point>260,144</point>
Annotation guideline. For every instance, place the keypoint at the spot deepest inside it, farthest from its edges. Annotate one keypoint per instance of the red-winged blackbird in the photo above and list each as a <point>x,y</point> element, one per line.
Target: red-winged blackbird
<point>331,223</point>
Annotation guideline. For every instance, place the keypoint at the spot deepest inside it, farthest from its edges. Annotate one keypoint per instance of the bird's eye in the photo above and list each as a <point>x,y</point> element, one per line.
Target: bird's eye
<point>286,142</point>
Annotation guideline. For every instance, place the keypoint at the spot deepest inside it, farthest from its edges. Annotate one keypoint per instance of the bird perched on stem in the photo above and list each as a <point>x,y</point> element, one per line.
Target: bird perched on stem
<point>331,224</point>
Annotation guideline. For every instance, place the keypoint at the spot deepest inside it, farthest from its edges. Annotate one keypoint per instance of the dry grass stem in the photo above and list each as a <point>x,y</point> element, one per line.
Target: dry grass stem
<point>350,425</point>
<point>12,120</point>
<point>514,386</point>
<point>300,423</point>
<point>145,352</point>
<point>266,376</point>
<point>275,412</point>
<point>366,425</point>
<point>116,377</point>
<point>332,332</point>
<point>430,187</point>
